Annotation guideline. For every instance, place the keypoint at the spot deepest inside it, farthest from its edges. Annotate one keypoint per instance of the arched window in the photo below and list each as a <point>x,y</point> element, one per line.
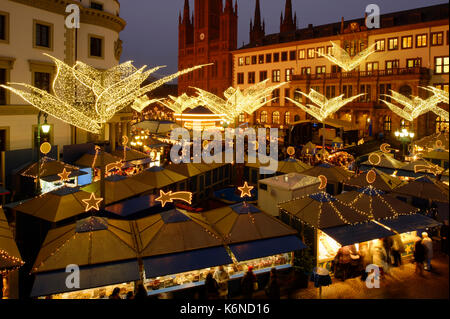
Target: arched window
<point>387,123</point>
<point>276,117</point>
<point>296,118</point>
<point>263,117</point>
<point>287,118</point>
<point>241,118</point>
<point>441,125</point>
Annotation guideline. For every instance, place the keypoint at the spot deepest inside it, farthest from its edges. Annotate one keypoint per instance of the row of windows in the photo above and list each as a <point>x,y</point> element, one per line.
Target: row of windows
<point>441,66</point>
<point>405,42</point>
<point>43,35</point>
<point>276,117</point>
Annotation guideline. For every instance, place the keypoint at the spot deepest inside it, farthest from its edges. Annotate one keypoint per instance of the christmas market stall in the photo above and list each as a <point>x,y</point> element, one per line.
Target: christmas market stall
<point>93,161</point>
<point>10,258</point>
<point>102,250</point>
<point>335,176</point>
<point>408,170</point>
<point>423,191</point>
<point>160,178</point>
<point>383,181</point>
<point>387,163</point>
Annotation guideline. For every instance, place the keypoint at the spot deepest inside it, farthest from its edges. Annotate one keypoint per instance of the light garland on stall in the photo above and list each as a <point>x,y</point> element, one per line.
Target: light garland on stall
<point>238,101</point>
<point>87,98</point>
<point>4,255</point>
<point>323,107</point>
<point>340,57</point>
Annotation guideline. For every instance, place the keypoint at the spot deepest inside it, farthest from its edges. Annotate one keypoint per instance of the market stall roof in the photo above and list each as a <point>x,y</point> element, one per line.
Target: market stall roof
<point>291,181</point>
<point>376,203</point>
<point>426,188</point>
<point>157,127</point>
<point>430,142</point>
<point>334,174</point>
<point>54,282</point>
<point>382,182</point>
<point>57,205</point>
<point>244,222</point>
<point>407,223</point>
<point>118,188</point>
<point>87,160</point>
<point>9,253</point>
<point>134,205</point>
<point>158,177</point>
<point>90,241</point>
<point>321,210</point>
<point>292,165</point>
<point>130,154</point>
<point>436,154</point>
<point>266,247</point>
<point>310,147</point>
<point>386,161</point>
<point>103,249</point>
<point>188,169</point>
<point>352,234</point>
<point>49,170</point>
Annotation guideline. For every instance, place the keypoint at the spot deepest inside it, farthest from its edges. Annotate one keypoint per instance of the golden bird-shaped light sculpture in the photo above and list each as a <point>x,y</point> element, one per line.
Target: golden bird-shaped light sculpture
<point>340,57</point>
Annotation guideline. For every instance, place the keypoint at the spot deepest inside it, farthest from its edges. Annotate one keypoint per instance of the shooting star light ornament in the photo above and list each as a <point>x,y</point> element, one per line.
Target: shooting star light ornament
<point>169,197</point>
<point>340,57</point>
<point>432,169</point>
<point>117,165</point>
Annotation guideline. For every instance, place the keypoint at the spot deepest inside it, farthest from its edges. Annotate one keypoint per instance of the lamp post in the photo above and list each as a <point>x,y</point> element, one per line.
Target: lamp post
<point>405,137</point>
<point>45,129</point>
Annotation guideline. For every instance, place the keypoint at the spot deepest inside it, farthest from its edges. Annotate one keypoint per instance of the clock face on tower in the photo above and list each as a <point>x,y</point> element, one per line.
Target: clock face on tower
<point>202,36</point>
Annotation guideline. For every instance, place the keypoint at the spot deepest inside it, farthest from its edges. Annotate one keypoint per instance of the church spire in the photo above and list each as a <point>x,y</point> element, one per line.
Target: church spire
<point>287,24</point>
<point>186,14</point>
<point>257,31</point>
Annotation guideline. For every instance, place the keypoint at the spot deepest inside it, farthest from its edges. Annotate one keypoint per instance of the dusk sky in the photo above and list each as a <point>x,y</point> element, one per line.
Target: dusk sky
<point>151,34</point>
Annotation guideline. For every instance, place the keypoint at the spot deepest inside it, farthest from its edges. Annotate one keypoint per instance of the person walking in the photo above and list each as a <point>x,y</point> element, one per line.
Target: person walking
<point>397,250</point>
<point>141,293</point>
<point>222,277</point>
<point>212,287</point>
<point>419,256</point>
<point>427,242</point>
<point>115,294</point>
<point>380,257</point>
<point>248,283</point>
<point>273,288</point>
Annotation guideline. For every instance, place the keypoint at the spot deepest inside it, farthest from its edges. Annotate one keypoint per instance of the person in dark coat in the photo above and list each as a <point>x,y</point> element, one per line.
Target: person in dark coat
<point>273,288</point>
<point>248,284</point>
<point>212,287</point>
<point>115,294</point>
<point>419,256</point>
<point>141,293</point>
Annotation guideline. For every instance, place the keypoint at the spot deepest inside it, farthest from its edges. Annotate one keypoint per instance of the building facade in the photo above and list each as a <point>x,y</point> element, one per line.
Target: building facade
<point>208,36</point>
<point>29,28</point>
<point>412,51</point>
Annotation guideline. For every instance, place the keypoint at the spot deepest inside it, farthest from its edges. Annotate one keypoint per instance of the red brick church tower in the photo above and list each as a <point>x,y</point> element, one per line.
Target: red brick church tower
<point>208,36</point>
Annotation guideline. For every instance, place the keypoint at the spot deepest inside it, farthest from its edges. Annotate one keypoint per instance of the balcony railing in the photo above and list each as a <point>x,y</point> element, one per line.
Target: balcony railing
<point>362,74</point>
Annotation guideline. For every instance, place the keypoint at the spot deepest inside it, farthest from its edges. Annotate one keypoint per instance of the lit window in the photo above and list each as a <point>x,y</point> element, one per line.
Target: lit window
<point>301,54</point>
<point>320,52</point>
<point>263,117</point>
<point>320,69</point>
<point>437,38</point>
<point>241,61</point>
<point>407,42</point>
<point>441,125</point>
<point>276,117</point>
<point>289,73</point>
<point>393,44</point>
<point>311,53</point>
<point>276,76</point>
<point>387,123</point>
<point>380,45</point>
<point>421,40</point>
<point>441,65</point>
<point>287,118</point>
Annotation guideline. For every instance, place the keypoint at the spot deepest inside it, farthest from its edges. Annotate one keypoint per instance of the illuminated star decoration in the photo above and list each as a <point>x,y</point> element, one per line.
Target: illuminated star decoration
<point>238,101</point>
<point>414,107</point>
<point>245,190</point>
<point>169,197</point>
<point>323,107</point>
<point>87,98</point>
<point>340,57</point>
<point>92,203</point>
<point>64,175</point>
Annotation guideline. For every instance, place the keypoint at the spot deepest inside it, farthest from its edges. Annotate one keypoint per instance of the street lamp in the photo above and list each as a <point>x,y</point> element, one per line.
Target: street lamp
<point>45,129</point>
<point>404,136</point>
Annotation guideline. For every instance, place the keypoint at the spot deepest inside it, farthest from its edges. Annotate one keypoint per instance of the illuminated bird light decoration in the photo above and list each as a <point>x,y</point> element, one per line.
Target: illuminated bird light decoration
<point>181,103</point>
<point>443,97</point>
<point>414,107</point>
<point>323,107</point>
<point>238,101</point>
<point>341,57</point>
<point>87,98</point>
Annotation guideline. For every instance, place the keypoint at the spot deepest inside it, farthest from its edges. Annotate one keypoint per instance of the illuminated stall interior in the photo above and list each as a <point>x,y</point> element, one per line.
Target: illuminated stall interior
<point>201,118</point>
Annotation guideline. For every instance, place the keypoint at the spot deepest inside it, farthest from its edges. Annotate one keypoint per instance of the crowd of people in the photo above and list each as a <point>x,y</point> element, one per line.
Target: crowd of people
<point>216,286</point>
